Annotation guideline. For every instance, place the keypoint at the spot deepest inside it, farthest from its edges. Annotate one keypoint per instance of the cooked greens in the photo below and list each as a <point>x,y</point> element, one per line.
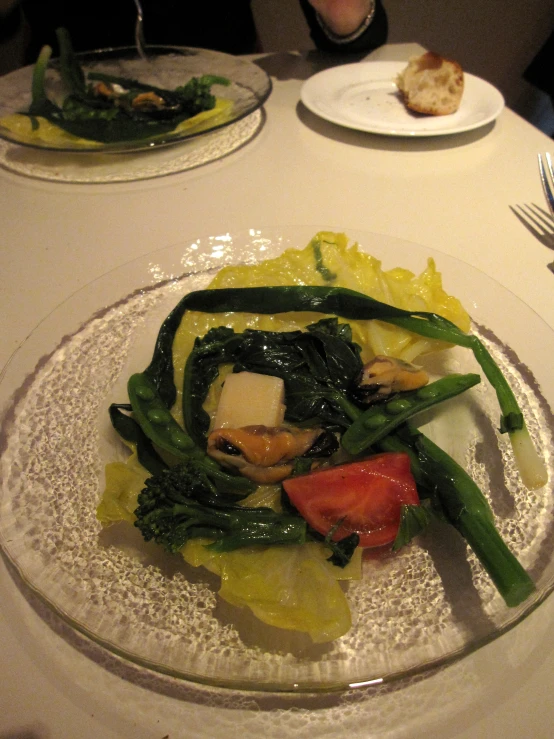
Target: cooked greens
<point>455,497</point>
<point>180,504</point>
<point>190,501</point>
<point>352,304</point>
<point>318,366</point>
<point>110,109</point>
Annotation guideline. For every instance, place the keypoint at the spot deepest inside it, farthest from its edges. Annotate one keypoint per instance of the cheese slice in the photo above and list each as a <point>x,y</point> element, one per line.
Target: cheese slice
<point>250,399</point>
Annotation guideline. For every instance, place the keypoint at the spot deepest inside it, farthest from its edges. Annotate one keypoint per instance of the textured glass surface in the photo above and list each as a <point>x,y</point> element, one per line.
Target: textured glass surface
<point>426,606</point>
<point>76,167</point>
<point>166,67</point>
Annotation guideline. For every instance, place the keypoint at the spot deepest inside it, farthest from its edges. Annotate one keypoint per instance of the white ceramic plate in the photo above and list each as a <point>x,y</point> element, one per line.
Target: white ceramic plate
<point>425,607</point>
<point>364,97</point>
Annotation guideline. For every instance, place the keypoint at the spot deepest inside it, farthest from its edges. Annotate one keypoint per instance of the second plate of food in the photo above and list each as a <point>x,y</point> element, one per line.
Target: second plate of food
<point>238,86</point>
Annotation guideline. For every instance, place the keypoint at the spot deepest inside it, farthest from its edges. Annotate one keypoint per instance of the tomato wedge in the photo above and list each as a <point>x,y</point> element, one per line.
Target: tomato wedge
<point>364,497</point>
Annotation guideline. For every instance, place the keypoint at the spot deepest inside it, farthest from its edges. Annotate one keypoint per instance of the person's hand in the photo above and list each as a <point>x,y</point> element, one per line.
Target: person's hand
<point>342,17</point>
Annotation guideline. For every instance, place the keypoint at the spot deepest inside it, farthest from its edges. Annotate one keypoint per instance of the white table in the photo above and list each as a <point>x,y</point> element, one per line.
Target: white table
<point>451,194</point>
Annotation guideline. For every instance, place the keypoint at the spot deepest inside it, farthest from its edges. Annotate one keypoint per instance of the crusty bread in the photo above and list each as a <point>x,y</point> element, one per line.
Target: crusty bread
<point>431,84</point>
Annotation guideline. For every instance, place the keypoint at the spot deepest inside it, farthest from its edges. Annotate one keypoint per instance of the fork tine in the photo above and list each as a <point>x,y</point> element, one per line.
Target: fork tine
<point>545,184</point>
<point>549,164</point>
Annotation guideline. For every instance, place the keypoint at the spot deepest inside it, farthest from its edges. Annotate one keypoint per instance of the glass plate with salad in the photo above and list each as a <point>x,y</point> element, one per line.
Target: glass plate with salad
<point>287,599</point>
<point>113,101</point>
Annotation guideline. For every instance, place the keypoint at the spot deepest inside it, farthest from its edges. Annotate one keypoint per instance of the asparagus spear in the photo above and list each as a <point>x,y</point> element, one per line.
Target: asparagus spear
<point>466,508</point>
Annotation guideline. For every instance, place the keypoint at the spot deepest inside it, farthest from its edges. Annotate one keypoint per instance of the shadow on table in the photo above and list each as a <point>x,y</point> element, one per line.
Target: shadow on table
<point>368,140</point>
<point>30,732</point>
<point>289,65</point>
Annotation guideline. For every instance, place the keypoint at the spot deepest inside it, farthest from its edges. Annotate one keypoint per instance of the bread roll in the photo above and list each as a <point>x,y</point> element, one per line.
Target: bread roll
<point>431,84</point>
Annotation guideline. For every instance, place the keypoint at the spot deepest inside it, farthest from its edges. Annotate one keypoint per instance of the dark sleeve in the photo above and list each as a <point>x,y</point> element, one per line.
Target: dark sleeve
<point>223,25</point>
<point>540,72</point>
<point>374,36</point>
<point>10,23</point>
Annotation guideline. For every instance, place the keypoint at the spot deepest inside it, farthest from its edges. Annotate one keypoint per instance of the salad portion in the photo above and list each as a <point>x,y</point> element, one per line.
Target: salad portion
<point>102,108</point>
<point>273,435</point>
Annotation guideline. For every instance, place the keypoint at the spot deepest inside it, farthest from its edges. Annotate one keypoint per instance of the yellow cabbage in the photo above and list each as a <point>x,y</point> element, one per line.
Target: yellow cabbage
<point>124,481</point>
<point>292,587</point>
<point>44,133</point>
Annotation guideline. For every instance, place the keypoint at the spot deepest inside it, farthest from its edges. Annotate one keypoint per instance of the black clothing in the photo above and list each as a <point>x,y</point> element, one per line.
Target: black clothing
<point>223,25</point>
<point>10,23</point>
<point>540,72</point>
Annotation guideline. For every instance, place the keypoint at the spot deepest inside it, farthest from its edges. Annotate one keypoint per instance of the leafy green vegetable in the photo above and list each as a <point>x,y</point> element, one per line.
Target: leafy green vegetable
<point>70,69</point>
<point>459,500</point>
<point>179,505</point>
<point>355,305</point>
<point>318,367</point>
<point>414,519</point>
<point>128,111</point>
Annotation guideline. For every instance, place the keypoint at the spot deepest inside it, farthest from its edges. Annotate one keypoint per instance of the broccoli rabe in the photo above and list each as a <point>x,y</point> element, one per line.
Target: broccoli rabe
<point>181,503</point>
<point>178,505</point>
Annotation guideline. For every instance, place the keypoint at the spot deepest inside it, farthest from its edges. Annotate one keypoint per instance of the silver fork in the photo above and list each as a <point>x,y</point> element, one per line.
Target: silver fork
<point>139,31</point>
<point>539,223</point>
<point>537,220</point>
<point>544,179</point>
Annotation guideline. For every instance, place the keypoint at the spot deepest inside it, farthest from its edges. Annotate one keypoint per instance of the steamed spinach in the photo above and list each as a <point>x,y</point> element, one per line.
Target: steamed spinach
<point>318,367</point>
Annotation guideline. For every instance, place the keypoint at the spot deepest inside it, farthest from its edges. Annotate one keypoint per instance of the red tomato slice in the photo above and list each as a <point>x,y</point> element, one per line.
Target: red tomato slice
<point>366,497</point>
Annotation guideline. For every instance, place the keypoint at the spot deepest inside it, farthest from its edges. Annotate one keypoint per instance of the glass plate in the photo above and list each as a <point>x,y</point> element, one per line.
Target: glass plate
<point>77,167</point>
<point>429,605</point>
<point>166,67</point>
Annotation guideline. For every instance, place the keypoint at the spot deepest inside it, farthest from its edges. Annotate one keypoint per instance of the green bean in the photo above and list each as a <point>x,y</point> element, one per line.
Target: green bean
<point>130,430</point>
<point>381,419</point>
<point>162,429</point>
<point>155,419</point>
<point>466,508</point>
